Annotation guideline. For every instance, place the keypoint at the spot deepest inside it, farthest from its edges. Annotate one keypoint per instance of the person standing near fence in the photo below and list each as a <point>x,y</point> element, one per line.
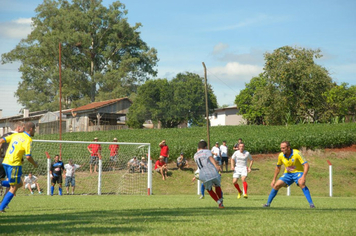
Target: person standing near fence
<point>296,170</point>
<point>164,150</point>
<point>224,152</point>
<point>20,144</point>
<point>114,148</point>
<point>95,155</point>
<point>70,169</point>
<point>56,174</point>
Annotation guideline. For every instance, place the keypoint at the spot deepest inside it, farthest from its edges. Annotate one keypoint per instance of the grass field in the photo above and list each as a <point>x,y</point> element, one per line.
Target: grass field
<point>177,215</point>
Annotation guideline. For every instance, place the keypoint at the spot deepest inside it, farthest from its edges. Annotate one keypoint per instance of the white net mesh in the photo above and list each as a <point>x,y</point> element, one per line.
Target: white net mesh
<point>114,174</point>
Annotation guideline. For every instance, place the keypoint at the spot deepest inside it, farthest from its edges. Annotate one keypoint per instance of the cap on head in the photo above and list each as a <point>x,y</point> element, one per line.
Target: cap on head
<point>143,158</point>
<point>96,138</point>
<point>217,143</point>
<point>161,157</point>
<point>115,139</point>
<point>182,153</point>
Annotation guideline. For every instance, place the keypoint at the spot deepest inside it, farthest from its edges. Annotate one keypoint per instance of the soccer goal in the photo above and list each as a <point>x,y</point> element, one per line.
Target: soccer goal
<point>111,174</point>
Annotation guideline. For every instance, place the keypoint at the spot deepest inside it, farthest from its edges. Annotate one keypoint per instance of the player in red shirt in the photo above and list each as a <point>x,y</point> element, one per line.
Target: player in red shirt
<point>94,150</point>
<point>114,148</point>
<point>164,150</point>
<point>161,167</point>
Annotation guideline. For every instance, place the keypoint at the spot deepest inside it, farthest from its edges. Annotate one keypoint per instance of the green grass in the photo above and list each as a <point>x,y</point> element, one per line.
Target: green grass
<point>177,215</point>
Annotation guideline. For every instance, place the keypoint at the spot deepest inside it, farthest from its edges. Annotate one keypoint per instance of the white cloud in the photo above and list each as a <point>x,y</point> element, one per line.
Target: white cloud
<point>16,29</point>
<point>220,47</point>
<point>233,71</point>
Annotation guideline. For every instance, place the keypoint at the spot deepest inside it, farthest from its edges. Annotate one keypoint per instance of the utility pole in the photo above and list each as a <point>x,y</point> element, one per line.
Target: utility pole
<point>60,98</point>
<point>206,107</point>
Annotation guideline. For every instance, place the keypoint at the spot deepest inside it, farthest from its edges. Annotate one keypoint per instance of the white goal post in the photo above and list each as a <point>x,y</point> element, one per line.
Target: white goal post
<point>113,174</point>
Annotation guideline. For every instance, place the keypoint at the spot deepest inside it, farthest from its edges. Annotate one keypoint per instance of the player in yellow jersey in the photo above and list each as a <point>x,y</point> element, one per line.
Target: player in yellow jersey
<point>19,145</point>
<point>296,170</point>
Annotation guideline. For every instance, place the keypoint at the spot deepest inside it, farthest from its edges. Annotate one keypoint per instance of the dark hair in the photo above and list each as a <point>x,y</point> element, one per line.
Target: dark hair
<point>286,142</point>
<point>202,145</point>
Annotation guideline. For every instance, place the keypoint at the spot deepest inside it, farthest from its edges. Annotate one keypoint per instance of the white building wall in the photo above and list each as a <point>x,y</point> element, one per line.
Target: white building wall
<point>217,118</point>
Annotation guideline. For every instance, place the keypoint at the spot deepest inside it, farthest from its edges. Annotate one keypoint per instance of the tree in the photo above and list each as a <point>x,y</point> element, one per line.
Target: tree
<point>102,55</point>
<point>296,83</point>
<point>171,102</point>
<point>247,100</point>
<point>293,89</point>
<point>341,101</point>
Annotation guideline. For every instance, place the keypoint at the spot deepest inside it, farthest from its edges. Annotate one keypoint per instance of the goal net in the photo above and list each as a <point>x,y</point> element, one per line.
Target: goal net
<point>115,174</point>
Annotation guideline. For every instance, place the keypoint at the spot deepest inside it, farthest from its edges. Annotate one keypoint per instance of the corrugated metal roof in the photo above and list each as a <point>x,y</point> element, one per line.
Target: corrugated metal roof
<point>95,105</point>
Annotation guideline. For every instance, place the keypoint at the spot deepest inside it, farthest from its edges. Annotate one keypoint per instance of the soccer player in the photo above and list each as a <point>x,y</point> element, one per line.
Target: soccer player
<point>296,170</point>
<point>114,148</point>
<point>239,166</point>
<point>209,172</point>
<point>56,174</point>
<point>20,144</point>
<point>94,150</point>
<point>18,128</point>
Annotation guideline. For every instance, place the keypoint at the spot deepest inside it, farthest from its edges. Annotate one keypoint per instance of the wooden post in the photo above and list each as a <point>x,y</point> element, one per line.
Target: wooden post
<point>206,107</point>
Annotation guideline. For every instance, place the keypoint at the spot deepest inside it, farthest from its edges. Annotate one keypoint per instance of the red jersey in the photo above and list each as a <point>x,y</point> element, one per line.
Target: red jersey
<point>159,164</point>
<point>94,148</point>
<point>113,149</point>
<point>164,150</point>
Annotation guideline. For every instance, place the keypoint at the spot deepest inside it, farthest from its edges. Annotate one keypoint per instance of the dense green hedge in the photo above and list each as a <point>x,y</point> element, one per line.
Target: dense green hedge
<point>258,139</point>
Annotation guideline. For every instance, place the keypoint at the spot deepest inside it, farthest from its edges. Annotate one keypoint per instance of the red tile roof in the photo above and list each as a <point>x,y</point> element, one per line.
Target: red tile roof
<point>95,105</point>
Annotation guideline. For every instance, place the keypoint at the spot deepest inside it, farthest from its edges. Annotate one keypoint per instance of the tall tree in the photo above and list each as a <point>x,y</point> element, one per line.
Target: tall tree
<point>103,56</point>
<point>171,102</point>
<point>296,84</point>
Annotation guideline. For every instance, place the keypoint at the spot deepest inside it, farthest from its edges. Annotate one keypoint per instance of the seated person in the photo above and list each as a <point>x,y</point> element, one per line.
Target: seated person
<point>30,183</point>
<point>181,162</point>
<point>161,167</point>
<point>143,165</point>
<point>133,164</point>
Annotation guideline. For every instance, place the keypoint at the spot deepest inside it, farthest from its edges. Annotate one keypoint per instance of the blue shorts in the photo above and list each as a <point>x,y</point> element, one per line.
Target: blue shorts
<point>218,160</point>
<point>13,173</point>
<point>289,178</point>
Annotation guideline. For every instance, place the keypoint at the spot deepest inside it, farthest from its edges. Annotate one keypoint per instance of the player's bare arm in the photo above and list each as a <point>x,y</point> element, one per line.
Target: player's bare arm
<point>232,164</point>
<point>249,168</point>
<point>32,161</point>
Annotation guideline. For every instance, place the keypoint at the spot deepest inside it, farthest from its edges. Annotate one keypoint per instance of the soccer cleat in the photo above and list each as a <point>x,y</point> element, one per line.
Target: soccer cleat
<point>221,205</point>
<point>32,193</point>
<point>40,192</point>
<point>245,196</point>
<point>238,195</point>
<point>312,206</point>
<point>266,205</point>
<point>3,211</point>
<point>201,197</point>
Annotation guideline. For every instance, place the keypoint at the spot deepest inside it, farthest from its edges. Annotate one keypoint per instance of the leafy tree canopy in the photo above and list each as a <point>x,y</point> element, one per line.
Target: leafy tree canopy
<point>171,102</point>
<point>103,57</point>
<point>293,89</point>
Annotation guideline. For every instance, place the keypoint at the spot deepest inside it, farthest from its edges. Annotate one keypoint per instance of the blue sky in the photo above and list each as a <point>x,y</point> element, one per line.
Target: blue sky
<point>229,36</point>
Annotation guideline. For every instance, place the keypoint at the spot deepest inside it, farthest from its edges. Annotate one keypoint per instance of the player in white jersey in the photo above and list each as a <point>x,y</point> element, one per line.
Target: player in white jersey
<point>239,166</point>
<point>209,172</point>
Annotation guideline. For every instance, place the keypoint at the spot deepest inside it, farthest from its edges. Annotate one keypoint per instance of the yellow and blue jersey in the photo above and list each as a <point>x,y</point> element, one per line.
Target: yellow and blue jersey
<point>294,163</point>
<point>20,144</point>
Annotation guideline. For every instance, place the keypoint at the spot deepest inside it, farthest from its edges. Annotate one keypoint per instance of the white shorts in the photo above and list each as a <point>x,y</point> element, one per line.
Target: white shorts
<point>213,182</point>
<point>239,171</point>
<point>32,185</point>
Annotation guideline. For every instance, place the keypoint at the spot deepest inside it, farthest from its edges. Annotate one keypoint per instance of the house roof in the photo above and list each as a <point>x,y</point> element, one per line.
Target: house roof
<point>225,108</point>
<point>96,105</point>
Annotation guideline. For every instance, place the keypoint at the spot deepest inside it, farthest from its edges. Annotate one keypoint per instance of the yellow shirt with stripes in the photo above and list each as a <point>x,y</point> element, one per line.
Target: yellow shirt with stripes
<point>20,144</point>
<point>294,163</point>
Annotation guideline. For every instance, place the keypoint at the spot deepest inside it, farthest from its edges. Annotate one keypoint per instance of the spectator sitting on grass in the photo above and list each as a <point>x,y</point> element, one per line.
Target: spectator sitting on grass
<point>30,182</point>
<point>133,164</point>
<point>161,167</point>
<point>143,165</point>
<point>181,162</point>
